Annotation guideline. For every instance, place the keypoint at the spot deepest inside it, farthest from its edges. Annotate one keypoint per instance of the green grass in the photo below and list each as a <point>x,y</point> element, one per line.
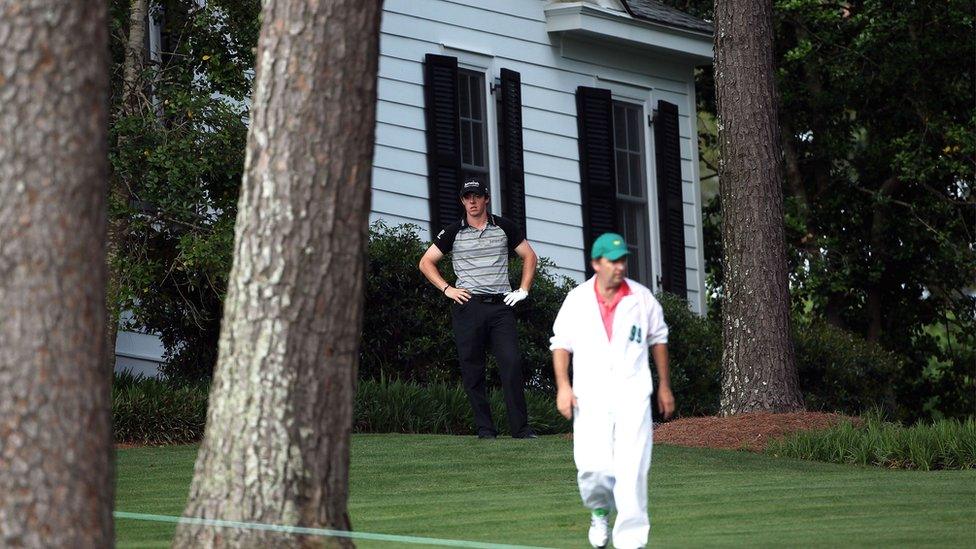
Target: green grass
<point>524,492</point>
<point>944,444</point>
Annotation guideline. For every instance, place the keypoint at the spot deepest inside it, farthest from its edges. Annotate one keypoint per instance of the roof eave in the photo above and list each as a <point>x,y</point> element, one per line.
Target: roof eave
<point>588,20</point>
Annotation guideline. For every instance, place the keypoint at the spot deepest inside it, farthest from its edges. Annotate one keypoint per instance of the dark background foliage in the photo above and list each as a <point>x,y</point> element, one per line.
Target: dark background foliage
<point>177,157</point>
<point>877,107</point>
<point>877,104</point>
<point>407,332</point>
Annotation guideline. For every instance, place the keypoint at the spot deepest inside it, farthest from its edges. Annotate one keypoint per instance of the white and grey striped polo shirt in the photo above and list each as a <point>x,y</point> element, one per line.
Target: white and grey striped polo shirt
<point>480,258</point>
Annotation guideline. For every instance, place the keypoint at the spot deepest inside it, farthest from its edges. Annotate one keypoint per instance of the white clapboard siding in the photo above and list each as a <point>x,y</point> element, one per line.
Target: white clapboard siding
<point>512,33</point>
<point>555,190</point>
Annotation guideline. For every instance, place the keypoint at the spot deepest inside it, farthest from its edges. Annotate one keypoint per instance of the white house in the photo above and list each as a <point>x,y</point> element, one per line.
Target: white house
<point>580,115</point>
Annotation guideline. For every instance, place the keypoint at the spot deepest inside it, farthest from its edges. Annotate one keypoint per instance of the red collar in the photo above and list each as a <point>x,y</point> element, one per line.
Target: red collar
<point>623,290</point>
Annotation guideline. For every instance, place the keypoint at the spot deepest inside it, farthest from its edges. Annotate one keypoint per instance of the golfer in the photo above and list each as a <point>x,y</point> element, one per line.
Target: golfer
<point>607,324</point>
<point>482,313</point>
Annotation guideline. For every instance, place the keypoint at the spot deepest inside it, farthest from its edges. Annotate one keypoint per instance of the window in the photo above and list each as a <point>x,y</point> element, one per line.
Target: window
<point>614,186</point>
<point>631,187</point>
<point>473,125</point>
<point>460,142</point>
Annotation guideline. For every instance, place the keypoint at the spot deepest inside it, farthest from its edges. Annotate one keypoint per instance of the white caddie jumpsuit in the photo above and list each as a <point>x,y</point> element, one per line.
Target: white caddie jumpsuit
<point>612,383</point>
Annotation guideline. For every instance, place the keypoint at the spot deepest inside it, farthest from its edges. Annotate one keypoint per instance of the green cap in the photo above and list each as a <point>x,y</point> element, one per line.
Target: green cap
<point>610,246</point>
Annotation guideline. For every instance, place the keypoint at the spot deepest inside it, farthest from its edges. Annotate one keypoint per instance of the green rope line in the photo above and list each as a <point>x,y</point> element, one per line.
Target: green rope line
<point>317,531</point>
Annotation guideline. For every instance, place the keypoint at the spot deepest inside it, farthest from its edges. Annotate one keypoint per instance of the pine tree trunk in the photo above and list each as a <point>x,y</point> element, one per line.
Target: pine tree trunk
<point>56,480</point>
<point>276,448</point>
<point>758,361</point>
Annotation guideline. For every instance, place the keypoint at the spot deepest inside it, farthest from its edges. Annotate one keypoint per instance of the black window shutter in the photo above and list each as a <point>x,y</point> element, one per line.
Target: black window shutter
<point>443,141</point>
<point>594,118</point>
<point>668,158</point>
<point>513,169</point>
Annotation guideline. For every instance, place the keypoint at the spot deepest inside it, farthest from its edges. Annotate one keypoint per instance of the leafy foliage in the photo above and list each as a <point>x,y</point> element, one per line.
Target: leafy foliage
<point>877,105</point>
<point>154,411</point>
<point>877,108</point>
<point>840,372</point>
<point>177,160</point>
<point>407,333</point>
<point>695,352</point>
<point>396,406</point>
<point>943,444</point>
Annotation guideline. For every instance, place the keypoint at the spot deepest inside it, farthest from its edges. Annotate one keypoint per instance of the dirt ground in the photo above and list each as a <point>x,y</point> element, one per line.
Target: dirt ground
<point>746,431</point>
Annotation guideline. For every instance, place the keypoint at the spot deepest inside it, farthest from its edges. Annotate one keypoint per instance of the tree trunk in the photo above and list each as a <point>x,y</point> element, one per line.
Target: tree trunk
<point>758,362</point>
<point>56,481</point>
<point>881,255</point>
<point>276,448</point>
<point>135,52</point>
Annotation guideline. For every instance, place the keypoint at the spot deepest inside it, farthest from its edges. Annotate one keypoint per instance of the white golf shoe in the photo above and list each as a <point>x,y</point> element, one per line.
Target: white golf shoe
<point>599,530</point>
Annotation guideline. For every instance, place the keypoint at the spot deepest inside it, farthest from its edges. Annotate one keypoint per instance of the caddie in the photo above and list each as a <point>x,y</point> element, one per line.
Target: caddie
<point>607,324</point>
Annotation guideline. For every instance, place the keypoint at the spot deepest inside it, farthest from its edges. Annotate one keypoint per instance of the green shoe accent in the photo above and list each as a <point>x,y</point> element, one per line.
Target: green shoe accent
<point>600,512</point>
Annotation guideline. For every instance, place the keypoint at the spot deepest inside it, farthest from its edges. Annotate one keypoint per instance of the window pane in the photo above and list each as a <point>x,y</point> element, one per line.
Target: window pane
<point>621,167</point>
<point>629,228</point>
<point>624,219</point>
<point>478,143</point>
<point>631,204</point>
<point>464,96</point>
<point>635,225</point>
<point>476,104</point>
<point>634,262</point>
<point>633,127</point>
<point>471,100</point>
<point>636,181</point>
<point>619,127</point>
<point>465,142</point>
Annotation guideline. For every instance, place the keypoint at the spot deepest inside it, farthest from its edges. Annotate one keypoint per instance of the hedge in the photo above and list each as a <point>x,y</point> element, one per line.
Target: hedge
<point>155,412</point>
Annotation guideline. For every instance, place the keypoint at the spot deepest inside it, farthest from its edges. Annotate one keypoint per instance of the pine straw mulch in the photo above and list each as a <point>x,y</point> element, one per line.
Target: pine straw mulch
<point>742,432</point>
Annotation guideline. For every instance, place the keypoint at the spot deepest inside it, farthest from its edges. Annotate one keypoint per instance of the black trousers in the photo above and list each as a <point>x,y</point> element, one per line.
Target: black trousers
<point>478,326</point>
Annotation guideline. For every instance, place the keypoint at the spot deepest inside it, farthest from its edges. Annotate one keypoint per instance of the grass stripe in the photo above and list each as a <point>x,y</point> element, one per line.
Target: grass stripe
<point>524,493</point>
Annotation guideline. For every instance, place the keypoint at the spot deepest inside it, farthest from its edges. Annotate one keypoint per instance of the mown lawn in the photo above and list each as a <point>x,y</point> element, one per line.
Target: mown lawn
<point>524,492</point>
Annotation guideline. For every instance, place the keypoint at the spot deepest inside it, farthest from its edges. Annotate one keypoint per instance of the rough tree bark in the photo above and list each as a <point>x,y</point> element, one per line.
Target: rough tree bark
<point>758,361</point>
<point>276,448</point>
<point>135,53</point>
<point>55,415</point>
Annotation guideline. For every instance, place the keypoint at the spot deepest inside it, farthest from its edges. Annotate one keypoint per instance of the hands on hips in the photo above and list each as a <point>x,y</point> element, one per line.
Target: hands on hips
<point>511,298</point>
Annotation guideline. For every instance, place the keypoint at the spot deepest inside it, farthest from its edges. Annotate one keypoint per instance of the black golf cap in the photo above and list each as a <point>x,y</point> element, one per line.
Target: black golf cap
<point>473,186</point>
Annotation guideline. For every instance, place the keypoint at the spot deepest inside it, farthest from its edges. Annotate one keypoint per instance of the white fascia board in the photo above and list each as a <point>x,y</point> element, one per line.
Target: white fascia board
<point>583,18</point>
<point>141,346</point>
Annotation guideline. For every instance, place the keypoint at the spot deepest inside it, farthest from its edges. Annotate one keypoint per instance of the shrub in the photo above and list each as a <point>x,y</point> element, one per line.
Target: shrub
<point>407,335</point>
<point>840,372</point>
<point>535,317</point>
<point>944,444</point>
<point>695,349</point>
<point>406,323</point>
<point>152,411</point>
<point>155,411</point>
<point>397,406</point>
<point>407,330</point>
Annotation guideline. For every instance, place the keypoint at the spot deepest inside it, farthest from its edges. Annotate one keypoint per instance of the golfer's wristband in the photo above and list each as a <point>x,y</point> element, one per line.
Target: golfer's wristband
<point>444,289</point>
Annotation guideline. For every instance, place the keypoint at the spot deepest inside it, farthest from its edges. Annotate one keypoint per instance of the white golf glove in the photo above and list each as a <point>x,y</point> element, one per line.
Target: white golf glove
<point>511,298</point>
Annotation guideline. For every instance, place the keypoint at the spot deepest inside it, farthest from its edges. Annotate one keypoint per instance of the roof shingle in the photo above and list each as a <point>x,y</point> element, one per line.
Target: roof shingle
<point>657,12</point>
